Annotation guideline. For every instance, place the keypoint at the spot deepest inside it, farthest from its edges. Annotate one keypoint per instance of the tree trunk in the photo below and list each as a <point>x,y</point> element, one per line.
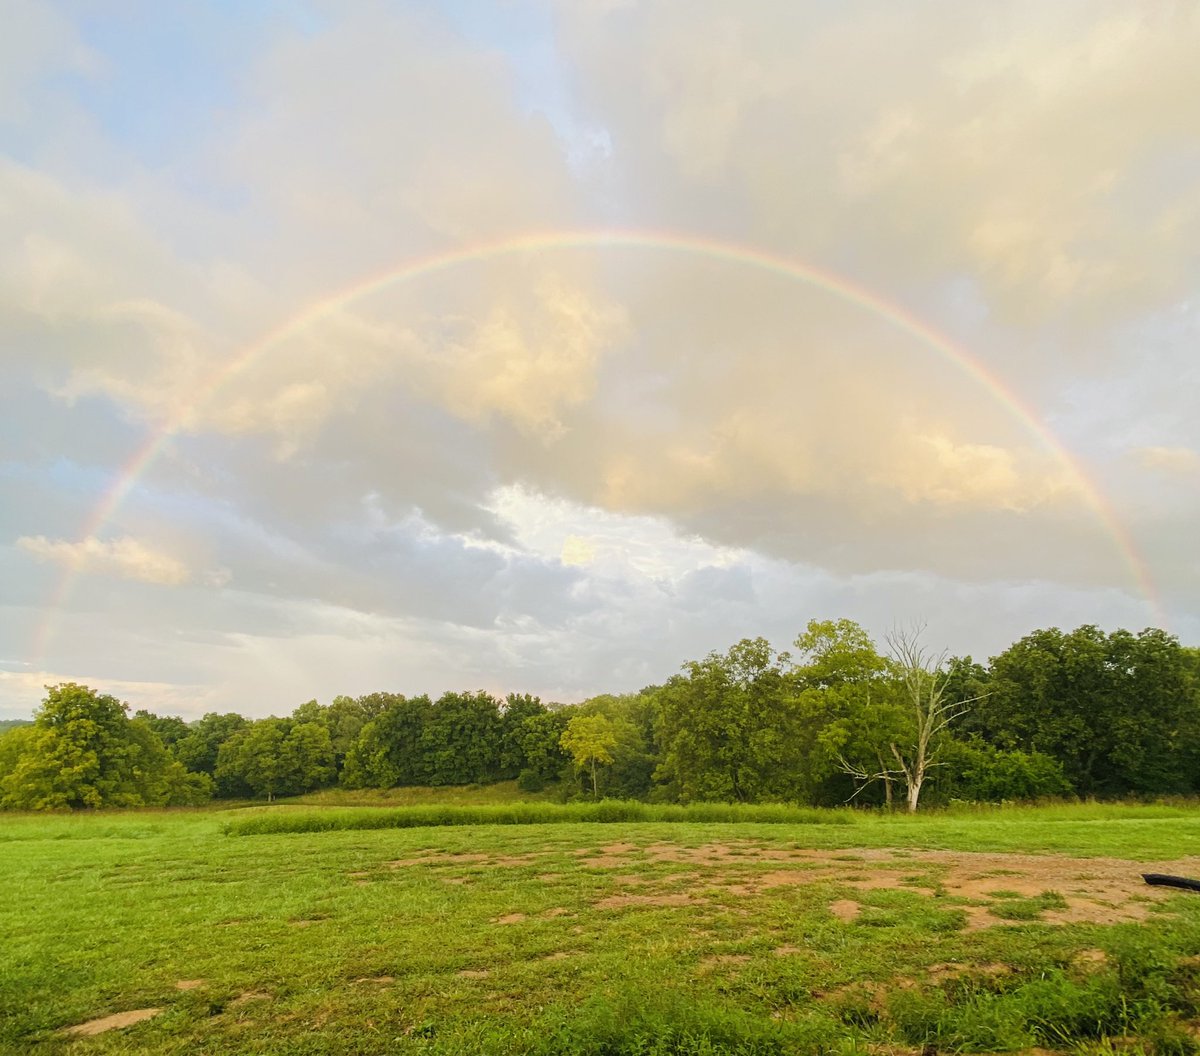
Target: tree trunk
<point>595,791</point>
<point>914,794</point>
<point>887,782</point>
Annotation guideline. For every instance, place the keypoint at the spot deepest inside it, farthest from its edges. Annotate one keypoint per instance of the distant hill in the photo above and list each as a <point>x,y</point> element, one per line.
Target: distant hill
<point>11,724</point>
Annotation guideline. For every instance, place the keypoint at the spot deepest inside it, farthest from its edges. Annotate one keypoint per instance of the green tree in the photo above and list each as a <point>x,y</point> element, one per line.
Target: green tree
<point>1118,711</point>
<point>197,750</point>
<point>633,717</point>
<point>724,725</point>
<point>84,751</point>
<point>461,739</point>
<point>980,772</point>
<point>517,708</point>
<point>590,739</point>
<point>169,728</point>
<point>836,653</point>
<point>840,710</point>
<point>345,717</point>
<point>277,757</point>
<point>14,743</point>
<point>253,758</point>
<point>541,751</point>
<point>308,759</point>
<point>388,750</point>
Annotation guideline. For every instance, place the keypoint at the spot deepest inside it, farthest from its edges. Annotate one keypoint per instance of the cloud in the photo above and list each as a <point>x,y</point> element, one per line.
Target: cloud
<point>976,150</point>
<point>576,550</point>
<point>933,468</point>
<point>532,371</point>
<point>1176,461</point>
<point>125,558</point>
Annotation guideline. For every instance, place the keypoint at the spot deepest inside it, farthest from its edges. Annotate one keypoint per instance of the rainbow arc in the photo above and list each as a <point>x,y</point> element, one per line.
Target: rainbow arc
<point>667,242</point>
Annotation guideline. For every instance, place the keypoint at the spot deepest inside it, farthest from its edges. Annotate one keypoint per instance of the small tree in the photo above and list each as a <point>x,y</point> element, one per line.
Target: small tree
<point>590,739</point>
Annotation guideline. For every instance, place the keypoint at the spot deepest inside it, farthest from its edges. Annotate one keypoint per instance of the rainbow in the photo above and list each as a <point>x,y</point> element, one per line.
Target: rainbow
<point>829,282</point>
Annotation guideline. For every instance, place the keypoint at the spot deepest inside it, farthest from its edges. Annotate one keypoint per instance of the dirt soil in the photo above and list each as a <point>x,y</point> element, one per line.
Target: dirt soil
<point>113,1022</point>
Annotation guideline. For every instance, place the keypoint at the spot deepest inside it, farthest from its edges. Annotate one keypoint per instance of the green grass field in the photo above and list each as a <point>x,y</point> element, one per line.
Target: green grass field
<point>1005,930</point>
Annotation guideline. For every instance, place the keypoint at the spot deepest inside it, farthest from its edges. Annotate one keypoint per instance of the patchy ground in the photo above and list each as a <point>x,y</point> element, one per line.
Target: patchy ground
<point>990,889</point>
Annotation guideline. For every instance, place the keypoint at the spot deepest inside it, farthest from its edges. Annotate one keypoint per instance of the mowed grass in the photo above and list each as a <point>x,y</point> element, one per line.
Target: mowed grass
<point>965,932</point>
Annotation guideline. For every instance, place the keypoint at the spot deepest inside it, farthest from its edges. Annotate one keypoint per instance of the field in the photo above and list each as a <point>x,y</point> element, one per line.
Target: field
<point>1007,930</point>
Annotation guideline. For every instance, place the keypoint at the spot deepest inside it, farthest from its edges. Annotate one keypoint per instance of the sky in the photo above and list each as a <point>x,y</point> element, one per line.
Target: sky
<point>544,346</point>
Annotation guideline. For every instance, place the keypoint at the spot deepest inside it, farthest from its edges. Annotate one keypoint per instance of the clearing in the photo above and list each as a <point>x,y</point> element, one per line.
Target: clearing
<point>945,933</point>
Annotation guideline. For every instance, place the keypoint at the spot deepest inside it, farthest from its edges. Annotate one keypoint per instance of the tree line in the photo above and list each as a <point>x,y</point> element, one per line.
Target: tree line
<point>834,720</point>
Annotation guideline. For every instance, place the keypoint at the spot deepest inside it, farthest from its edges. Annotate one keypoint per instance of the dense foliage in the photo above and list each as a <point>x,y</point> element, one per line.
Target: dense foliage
<point>1083,713</point>
<point>84,751</point>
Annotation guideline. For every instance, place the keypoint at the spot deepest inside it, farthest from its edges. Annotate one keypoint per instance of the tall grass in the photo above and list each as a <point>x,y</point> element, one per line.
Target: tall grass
<point>607,811</point>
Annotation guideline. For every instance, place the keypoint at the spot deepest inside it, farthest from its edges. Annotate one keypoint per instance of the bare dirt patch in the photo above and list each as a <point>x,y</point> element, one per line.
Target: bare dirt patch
<point>783,878</point>
<point>513,860</point>
<point>630,880</point>
<point>379,979</point>
<point>509,918</point>
<point>621,901</point>
<point>620,847</point>
<point>436,858</point>
<point>113,1022</point>
<point>474,973</point>
<point>955,970</point>
<point>608,857</point>
<point>1090,957</point>
<point>248,996</point>
<point>189,984</point>
<point>845,909</point>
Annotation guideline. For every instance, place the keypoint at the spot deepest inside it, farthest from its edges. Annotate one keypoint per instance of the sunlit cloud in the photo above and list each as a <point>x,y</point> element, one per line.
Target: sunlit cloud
<point>125,557</point>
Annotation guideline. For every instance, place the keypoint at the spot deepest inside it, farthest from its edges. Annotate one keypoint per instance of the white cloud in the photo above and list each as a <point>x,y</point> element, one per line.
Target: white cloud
<point>125,558</point>
<point>933,468</point>
<point>535,369</point>
<point>577,550</point>
<point>1177,461</point>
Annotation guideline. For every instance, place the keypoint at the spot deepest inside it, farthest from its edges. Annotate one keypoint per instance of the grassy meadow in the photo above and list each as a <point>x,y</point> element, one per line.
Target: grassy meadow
<point>1006,930</point>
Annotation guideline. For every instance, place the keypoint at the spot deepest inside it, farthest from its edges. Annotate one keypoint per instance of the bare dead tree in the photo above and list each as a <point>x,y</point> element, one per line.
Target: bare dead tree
<point>924,683</point>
